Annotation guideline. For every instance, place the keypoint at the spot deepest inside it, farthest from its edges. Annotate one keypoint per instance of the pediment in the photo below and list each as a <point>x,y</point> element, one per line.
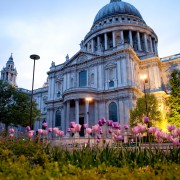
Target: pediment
<point>81,57</point>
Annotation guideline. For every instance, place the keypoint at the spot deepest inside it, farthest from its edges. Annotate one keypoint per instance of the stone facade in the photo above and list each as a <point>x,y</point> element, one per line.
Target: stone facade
<point>117,50</point>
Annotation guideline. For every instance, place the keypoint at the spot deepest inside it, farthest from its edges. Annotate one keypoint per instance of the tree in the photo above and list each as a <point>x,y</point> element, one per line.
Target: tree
<point>174,99</point>
<point>15,106</point>
<point>138,113</point>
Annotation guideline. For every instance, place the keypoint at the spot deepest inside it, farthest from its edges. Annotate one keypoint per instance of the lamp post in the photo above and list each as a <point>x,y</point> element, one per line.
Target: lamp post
<point>88,99</point>
<point>145,80</point>
<point>34,57</point>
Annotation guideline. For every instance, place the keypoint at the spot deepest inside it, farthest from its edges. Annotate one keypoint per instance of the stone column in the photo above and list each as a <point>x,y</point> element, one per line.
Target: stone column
<point>151,45</point>
<point>145,42</point>
<point>139,42</point>
<point>87,112</point>
<point>98,43</point>
<point>114,39</point>
<point>67,113</point>
<point>96,111</point>
<point>156,48</point>
<point>77,110</point>
<point>130,38</point>
<point>92,45</point>
<point>121,37</point>
<point>105,41</point>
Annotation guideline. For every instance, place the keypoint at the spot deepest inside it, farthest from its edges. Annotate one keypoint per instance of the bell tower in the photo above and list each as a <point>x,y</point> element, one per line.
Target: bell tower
<point>9,73</point>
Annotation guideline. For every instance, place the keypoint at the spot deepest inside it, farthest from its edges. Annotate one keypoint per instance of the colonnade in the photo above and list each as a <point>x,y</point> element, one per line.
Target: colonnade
<point>139,41</point>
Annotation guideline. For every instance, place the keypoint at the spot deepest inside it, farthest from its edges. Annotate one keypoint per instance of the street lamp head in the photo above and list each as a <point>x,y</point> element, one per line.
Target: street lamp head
<point>88,99</point>
<point>144,77</point>
<point>34,57</point>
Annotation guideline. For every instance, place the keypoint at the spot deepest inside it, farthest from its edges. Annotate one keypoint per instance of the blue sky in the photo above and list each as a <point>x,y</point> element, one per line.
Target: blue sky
<point>54,28</point>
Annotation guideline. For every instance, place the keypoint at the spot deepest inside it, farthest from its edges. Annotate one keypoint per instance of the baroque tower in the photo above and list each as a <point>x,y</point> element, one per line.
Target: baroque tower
<point>9,73</point>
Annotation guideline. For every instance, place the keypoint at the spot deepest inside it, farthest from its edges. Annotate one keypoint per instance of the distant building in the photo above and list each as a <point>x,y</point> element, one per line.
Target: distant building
<point>118,49</point>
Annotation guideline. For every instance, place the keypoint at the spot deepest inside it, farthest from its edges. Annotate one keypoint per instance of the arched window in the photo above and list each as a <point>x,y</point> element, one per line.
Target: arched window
<point>113,111</point>
<point>83,78</point>
<point>58,119</point>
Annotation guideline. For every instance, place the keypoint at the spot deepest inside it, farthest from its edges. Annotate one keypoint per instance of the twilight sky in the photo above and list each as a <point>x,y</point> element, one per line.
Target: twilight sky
<point>54,28</point>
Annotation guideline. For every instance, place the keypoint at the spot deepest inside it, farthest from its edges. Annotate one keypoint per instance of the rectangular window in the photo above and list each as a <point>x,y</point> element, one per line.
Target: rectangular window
<point>83,78</point>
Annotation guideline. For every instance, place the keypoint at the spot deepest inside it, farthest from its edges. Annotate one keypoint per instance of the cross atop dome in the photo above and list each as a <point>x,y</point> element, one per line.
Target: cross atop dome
<point>114,1</point>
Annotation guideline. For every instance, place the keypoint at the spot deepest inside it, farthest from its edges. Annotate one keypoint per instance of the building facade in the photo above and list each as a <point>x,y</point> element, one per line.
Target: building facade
<point>103,79</point>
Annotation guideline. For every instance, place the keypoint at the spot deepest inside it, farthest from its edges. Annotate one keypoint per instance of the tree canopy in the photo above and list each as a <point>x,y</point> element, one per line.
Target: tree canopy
<point>138,113</point>
<point>15,106</point>
<point>174,99</point>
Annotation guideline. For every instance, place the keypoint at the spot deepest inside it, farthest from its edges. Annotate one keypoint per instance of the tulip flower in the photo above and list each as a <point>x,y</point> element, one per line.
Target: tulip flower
<point>146,120</point>
<point>72,124</point>
<point>45,132</point>
<point>45,124</point>
<point>69,130</point>
<point>171,128</point>
<point>11,135</point>
<point>50,129</point>
<point>77,128</point>
<point>120,138</point>
<point>40,131</point>
<point>109,122</point>
<point>142,128</point>
<point>55,130</point>
<point>95,128</point>
<point>28,128</point>
<point>126,127</point>
<point>175,142</point>
<point>136,130</point>
<point>89,130</point>
<point>118,132</point>
<point>152,130</point>
<point>11,130</point>
<point>110,131</point>
<point>61,133</point>
<point>103,120</point>
<point>98,136</point>
<point>30,133</point>
<point>116,125</point>
<point>100,123</point>
<point>85,126</point>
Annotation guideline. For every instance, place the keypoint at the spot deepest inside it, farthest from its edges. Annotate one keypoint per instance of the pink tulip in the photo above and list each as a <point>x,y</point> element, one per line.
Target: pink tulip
<point>146,120</point>
<point>175,142</point>
<point>30,133</point>
<point>45,132</point>
<point>89,130</point>
<point>142,128</point>
<point>171,128</point>
<point>98,136</point>
<point>73,130</point>
<point>116,125</point>
<point>100,123</point>
<point>72,124</point>
<point>40,131</point>
<point>177,131</point>
<point>61,133</point>
<point>77,127</point>
<point>118,132</point>
<point>11,135</point>
<point>11,130</point>
<point>50,129</point>
<point>103,120</point>
<point>152,130</point>
<point>169,137</point>
<point>126,127</point>
<point>85,126</point>
<point>45,124</point>
<point>109,122</point>
<point>55,130</point>
<point>98,141</point>
<point>120,138</point>
<point>28,128</point>
<point>136,130</point>
<point>110,131</point>
<point>69,130</point>
<point>95,128</point>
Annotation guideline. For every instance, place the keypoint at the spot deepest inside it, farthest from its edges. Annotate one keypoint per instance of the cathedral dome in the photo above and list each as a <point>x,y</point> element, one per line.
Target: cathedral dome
<point>116,7</point>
